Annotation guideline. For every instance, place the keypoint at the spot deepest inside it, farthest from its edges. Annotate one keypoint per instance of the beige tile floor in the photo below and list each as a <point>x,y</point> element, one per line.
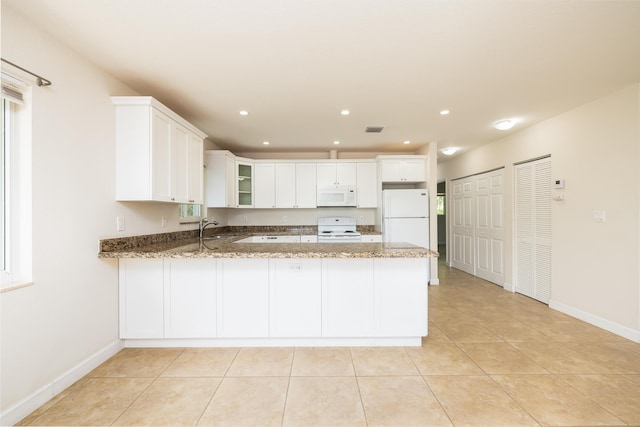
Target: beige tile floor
<point>492,358</point>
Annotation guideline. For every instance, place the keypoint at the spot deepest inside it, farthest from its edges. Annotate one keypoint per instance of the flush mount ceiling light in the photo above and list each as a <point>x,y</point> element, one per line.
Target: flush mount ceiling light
<point>449,151</point>
<point>345,112</point>
<point>336,142</point>
<point>406,142</point>
<point>244,113</point>
<point>505,124</point>
<point>265,142</point>
<point>444,112</point>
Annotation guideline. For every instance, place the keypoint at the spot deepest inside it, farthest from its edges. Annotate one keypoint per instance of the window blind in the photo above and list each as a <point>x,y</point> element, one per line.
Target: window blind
<point>13,88</point>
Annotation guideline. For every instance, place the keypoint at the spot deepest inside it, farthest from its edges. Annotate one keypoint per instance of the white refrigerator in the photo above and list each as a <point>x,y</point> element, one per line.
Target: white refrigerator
<point>405,216</point>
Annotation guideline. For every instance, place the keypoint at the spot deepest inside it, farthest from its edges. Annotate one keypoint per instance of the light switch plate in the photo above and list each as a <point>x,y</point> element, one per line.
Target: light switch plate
<point>120,223</point>
<point>599,216</point>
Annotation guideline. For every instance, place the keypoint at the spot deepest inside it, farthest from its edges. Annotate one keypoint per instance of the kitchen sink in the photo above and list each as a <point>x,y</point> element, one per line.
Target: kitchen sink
<point>219,237</point>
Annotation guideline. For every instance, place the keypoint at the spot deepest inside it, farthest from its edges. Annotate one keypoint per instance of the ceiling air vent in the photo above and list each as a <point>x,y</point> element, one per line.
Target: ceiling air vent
<point>373,129</point>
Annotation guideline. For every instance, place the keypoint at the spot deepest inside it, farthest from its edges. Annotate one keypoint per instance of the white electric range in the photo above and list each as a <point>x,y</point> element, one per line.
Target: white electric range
<point>338,229</point>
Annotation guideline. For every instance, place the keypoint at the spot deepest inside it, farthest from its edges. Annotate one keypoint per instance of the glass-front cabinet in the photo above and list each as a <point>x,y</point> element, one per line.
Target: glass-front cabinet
<point>244,187</point>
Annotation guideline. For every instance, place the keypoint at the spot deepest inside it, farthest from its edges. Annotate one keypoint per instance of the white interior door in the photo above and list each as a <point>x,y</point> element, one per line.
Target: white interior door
<point>462,225</point>
<point>489,226</point>
<point>533,229</point>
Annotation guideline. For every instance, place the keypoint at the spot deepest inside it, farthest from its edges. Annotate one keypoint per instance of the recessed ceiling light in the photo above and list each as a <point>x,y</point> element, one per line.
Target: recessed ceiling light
<point>449,151</point>
<point>444,112</point>
<point>265,142</point>
<point>406,142</point>
<point>345,112</point>
<point>244,113</point>
<point>336,142</point>
<point>505,124</point>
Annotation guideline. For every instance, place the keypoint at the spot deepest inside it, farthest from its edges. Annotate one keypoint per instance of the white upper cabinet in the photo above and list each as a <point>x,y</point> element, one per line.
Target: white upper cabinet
<point>295,185</point>
<point>403,168</point>
<point>220,177</point>
<point>336,173</point>
<point>264,175</point>
<point>158,153</point>
<point>367,188</point>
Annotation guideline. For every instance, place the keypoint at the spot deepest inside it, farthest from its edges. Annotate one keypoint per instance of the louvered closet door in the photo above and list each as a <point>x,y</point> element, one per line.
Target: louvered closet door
<point>533,229</point>
<point>462,225</point>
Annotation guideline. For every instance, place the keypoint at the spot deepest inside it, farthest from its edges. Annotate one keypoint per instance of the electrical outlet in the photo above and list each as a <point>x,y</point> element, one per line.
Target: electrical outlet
<point>361,219</point>
<point>163,221</point>
<point>244,219</point>
<point>119,223</point>
<point>284,219</point>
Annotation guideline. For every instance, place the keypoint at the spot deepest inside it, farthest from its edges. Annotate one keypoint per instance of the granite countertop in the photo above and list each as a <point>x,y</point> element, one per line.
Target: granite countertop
<point>224,246</point>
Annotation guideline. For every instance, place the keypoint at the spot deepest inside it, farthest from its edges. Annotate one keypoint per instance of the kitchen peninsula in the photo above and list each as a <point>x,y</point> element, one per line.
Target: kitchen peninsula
<point>218,292</point>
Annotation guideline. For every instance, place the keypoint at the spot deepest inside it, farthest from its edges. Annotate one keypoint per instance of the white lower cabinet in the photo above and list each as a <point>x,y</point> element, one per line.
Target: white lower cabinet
<point>141,286</point>
<point>371,238</point>
<point>243,298</point>
<point>401,296</point>
<point>347,297</point>
<point>295,303</point>
<point>190,298</point>
<point>278,298</point>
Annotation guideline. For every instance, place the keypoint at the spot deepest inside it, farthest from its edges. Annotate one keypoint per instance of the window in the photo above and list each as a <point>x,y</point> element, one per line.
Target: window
<point>440,204</point>
<point>15,185</point>
<point>188,213</point>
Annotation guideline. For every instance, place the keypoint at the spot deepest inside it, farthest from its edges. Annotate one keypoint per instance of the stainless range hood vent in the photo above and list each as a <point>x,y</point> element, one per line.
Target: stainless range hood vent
<point>373,129</point>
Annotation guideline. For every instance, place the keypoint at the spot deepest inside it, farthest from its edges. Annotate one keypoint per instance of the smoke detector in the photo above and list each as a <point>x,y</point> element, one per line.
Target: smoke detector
<point>373,129</point>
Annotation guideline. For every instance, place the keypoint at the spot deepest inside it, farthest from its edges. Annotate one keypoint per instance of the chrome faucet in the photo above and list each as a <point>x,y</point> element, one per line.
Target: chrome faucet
<point>204,223</point>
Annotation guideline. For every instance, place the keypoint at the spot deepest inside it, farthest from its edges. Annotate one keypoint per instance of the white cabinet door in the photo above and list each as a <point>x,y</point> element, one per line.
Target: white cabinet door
<point>264,177</point>
<point>286,185</point>
<point>296,291</point>
<point>243,298</point>
<point>336,174</point>
<point>414,170</point>
<point>162,152</point>
<point>244,184</point>
<point>326,174</point>
<point>220,179</point>
<point>372,238</point>
<point>141,298</point>
<point>403,170</point>
<point>309,239</point>
<point>186,166</point>
<point>347,297</point>
<point>346,174</point>
<point>401,296</point>
<point>190,298</point>
<point>306,185</point>
<point>367,189</point>
<point>195,170</point>
<point>295,185</point>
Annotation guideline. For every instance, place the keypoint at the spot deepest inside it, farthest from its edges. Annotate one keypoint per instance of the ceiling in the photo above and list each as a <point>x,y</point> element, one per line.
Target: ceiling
<point>295,64</point>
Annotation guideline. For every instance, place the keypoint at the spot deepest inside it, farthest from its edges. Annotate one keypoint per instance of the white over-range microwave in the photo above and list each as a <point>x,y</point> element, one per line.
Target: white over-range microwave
<point>336,195</point>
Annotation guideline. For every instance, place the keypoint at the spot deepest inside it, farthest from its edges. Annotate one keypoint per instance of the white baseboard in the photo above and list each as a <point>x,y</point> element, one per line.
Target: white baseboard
<point>509,287</point>
<point>434,281</point>
<point>41,396</point>
<point>623,331</point>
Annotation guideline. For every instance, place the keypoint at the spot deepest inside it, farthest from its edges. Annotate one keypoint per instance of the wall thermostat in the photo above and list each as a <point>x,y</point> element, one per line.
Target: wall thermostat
<point>558,183</point>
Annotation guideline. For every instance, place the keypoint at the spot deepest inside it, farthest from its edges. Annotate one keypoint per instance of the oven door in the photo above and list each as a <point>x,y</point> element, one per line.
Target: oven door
<point>338,238</point>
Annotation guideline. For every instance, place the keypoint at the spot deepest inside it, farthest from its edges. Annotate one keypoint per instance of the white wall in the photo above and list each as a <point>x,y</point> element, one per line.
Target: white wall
<point>596,149</point>
<point>70,313</point>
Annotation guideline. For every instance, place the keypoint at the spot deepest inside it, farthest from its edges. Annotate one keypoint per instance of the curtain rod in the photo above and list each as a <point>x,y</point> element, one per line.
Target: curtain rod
<point>40,81</point>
